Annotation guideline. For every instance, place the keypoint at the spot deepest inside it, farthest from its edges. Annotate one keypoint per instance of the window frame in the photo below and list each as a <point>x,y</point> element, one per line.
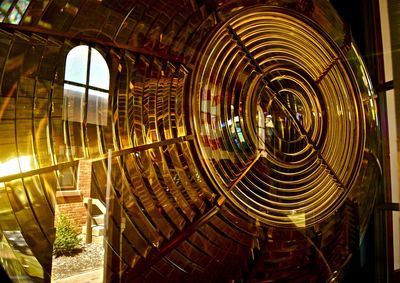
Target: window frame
<point>87,88</point>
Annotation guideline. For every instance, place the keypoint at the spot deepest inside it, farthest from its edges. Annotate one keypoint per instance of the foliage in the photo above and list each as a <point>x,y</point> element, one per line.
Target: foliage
<point>67,241</point>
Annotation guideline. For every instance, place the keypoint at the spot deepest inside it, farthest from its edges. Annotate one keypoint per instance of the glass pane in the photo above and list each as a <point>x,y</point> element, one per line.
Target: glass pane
<point>66,179</point>
<point>22,5</point>
<point>99,74</point>
<point>8,143</point>
<point>40,204</point>
<point>76,66</point>
<point>15,16</point>
<point>73,102</point>
<point>9,261</point>
<point>28,225</point>
<point>16,165</point>
<point>20,253</point>
<point>16,13</point>
<point>5,5</point>
<point>97,107</point>
<point>11,255</point>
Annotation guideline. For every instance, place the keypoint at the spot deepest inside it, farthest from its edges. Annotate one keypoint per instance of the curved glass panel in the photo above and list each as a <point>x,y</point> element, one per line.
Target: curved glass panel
<point>244,138</point>
<point>278,117</point>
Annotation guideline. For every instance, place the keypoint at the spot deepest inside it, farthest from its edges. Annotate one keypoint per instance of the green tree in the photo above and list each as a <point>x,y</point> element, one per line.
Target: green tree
<point>67,241</point>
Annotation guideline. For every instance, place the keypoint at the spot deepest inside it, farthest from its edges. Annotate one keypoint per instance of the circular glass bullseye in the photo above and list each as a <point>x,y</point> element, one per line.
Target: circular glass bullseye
<point>278,117</point>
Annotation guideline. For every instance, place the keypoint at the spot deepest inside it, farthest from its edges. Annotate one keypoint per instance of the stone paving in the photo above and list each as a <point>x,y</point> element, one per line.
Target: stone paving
<point>95,276</point>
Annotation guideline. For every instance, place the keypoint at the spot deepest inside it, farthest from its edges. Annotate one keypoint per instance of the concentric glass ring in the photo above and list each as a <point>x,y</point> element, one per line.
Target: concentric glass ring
<point>278,117</point>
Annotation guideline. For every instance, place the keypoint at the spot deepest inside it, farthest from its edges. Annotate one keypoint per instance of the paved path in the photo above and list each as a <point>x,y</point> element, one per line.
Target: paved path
<point>95,276</point>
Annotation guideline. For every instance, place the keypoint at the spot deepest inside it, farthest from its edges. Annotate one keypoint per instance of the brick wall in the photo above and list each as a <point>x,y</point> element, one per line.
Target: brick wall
<point>72,205</point>
<point>84,178</point>
<point>75,211</point>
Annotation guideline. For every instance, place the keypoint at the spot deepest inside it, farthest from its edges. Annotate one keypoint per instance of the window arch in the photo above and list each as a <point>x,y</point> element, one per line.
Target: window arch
<point>86,86</point>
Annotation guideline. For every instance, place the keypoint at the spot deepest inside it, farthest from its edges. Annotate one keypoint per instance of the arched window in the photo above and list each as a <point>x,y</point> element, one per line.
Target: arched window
<point>86,86</point>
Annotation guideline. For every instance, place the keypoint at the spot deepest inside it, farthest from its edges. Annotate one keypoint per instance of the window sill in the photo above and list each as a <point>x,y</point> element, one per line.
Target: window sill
<point>68,193</point>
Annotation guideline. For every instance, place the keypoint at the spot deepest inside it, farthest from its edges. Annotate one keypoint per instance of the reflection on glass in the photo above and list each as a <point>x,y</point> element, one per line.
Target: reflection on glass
<point>97,107</point>
<point>76,64</point>
<point>13,14</point>
<point>73,103</point>
<point>99,75</point>
<point>15,165</point>
<point>282,136</point>
<point>274,123</point>
<point>67,179</point>
<point>22,5</point>
<point>4,7</point>
<point>86,88</point>
<point>10,262</point>
<point>25,256</point>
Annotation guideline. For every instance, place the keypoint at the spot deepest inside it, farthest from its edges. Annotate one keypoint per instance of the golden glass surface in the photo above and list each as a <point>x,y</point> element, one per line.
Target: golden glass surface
<point>273,64</point>
<point>245,138</point>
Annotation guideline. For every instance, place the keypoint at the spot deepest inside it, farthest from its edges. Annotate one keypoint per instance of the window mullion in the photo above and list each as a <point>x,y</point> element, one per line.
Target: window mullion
<point>74,83</point>
<point>87,86</point>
